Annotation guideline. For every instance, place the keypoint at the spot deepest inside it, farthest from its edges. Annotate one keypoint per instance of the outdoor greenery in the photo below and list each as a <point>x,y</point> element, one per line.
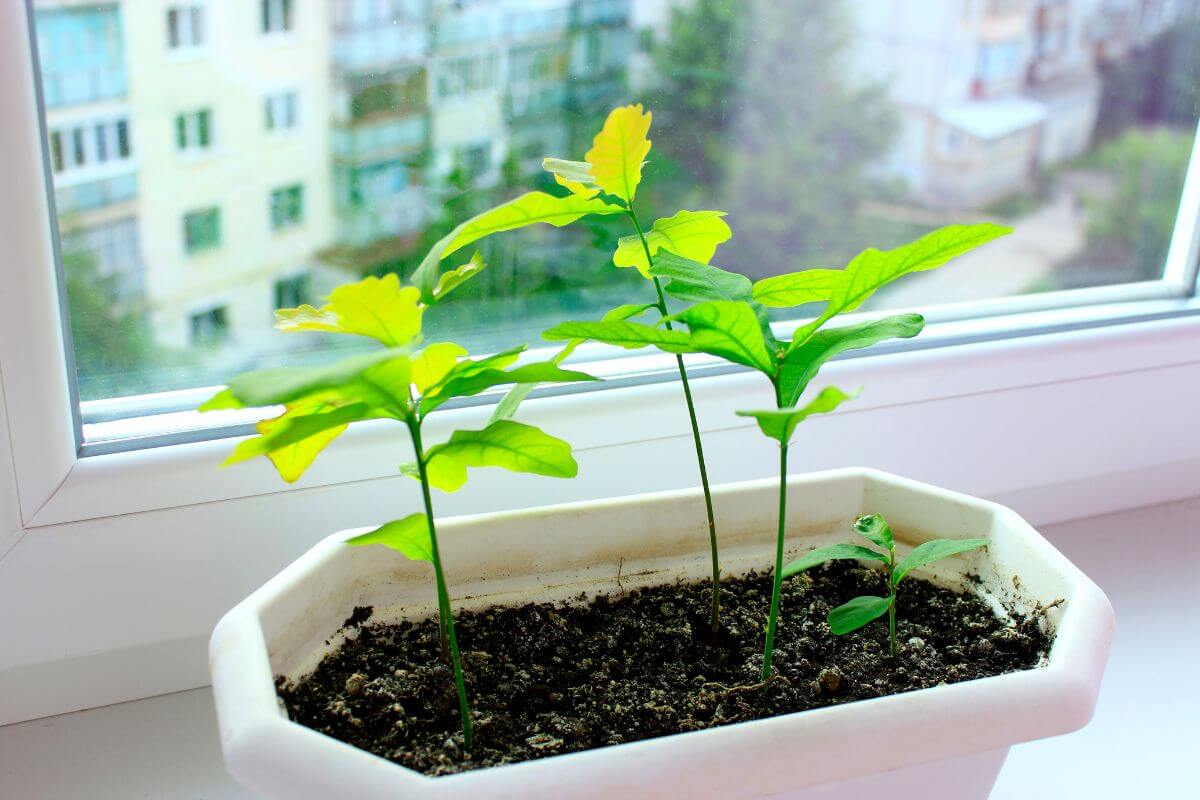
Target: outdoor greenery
<point>852,615</point>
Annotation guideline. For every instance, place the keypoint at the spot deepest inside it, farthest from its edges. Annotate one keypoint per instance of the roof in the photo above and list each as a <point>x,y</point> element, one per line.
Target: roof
<point>992,119</point>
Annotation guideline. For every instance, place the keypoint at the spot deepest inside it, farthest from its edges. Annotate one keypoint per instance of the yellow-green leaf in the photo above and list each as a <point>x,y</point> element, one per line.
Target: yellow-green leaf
<point>409,536</point>
<point>379,379</point>
<point>619,150</point>
<point>780,423</point>
<point>431,364</point>
<point>691,234</point>
<point>796,288</point>
<point>504,443</point>
<point>728,330</point>
<point>293,439</point>
<point>378,308</point>
<point>449,281</point>
<point>872,269</point>
<point>221,401</point>
<point>528,209</point>
<point>576,176</point>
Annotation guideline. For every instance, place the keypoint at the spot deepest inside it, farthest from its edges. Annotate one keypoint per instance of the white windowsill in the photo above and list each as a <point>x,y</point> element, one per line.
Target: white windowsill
<point>1138,745</point>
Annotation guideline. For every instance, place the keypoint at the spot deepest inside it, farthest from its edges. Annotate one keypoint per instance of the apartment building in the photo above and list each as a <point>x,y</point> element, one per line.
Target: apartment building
<point>231,101</point>
<point>231,157</point>
<point>993,91</point>
<point>91,139</point>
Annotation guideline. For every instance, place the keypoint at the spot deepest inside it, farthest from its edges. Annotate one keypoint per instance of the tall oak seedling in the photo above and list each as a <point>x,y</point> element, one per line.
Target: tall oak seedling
<point>731,323</point>
<point>402,383</point>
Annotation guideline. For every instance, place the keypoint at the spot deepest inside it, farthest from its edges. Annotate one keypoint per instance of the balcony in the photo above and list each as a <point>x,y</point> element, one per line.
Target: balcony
<point>373,140</point>
<point>96,194</point>
<point>380,47</point>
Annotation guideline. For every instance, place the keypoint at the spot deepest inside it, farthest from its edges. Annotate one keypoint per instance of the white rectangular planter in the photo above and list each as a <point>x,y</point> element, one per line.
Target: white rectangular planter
<point>947,743</point>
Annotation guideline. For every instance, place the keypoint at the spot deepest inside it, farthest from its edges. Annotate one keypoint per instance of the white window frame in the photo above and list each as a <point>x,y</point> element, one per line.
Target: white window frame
<point>190,41</point>
<point>192,147</point>
<point>281,106</point>
<point>130,557</point>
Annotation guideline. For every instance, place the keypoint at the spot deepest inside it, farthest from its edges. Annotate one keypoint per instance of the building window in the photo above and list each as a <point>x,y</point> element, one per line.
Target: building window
<point>473,161</point>
<point>210,328</point>
<point>293,291</point>
<point>281,111</point>
<point>185,26</point>
<point>201,230</point>
<point>193,131</point>
<point>462,76</point>
<point>276,16</point>
<point>89,145</point>
<point>287,207</point>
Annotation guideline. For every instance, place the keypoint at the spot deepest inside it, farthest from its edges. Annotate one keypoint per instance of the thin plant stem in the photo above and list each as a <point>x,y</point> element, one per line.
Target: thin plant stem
<point>446,614</point>
<point>715,620</point>
<point>777,578</point>
<point>892,621</point>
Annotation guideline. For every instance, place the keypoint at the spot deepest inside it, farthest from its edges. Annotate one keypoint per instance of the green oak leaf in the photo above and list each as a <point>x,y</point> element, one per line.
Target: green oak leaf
<point>476,381</point>
<point>619,151</point>
<point>780,423</point>
<point>378,308</point>
<point>431,365</point>
<point>697,282</point>
<point>833,552</point>
<point>691,234</point>
<point>513,398</point>
<point>858,612</point>
<point>620,333</point>
<point>293,439</point>
<point>872,269</point>
<point>528,209</point>
<point>452,279</point>
<point>575,176</point>
<point>796,288</point>
<point>728,330</point>
<point>936,550</point>
<point>409,536</point>
<point>874,528</point>
<point>379,379</point>
<point>801,364</point>
<point>504,443</point>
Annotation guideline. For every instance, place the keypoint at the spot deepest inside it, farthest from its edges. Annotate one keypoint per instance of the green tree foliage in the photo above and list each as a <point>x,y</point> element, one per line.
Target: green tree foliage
<point>113,347</point>
<point>766,122</point>
<point>1132,223</point>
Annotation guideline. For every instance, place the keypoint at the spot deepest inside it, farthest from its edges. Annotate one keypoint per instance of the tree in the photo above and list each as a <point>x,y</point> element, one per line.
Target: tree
<point>113,347</point>
<point>767,120</point>
<point>1133,223</point>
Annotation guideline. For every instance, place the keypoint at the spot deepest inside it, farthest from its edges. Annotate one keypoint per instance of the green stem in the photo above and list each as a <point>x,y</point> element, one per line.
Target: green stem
<point>892,597</point>
<point>715,619</point>
<point>777,578</point>
<point>445,613</point>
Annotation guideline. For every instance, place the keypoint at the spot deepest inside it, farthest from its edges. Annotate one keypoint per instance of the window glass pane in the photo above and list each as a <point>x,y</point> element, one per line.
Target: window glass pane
<point>821,126</point>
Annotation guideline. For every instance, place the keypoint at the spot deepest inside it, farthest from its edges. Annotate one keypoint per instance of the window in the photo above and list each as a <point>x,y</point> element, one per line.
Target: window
<point>474,161</point>
<point>210,328</point>
<point>193,131</point>
<point>276,16</point>
<point>281,111</point>
<point>202,230</point>
<point>287,207</point>
<point>463,76</point>
<point>857,136</point>
<point>185,26</point>
<point>292,292</point>
<point>84,147</point>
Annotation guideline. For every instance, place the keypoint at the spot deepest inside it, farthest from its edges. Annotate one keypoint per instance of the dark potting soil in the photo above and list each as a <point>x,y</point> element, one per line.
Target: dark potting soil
<point>547,679</point>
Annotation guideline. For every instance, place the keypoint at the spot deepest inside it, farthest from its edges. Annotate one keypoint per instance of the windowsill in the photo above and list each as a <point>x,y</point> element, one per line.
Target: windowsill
<point>1137,745</point>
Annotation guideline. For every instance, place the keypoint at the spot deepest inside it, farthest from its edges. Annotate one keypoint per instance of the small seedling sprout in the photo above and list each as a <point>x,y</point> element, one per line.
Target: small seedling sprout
<point>852,615</point>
